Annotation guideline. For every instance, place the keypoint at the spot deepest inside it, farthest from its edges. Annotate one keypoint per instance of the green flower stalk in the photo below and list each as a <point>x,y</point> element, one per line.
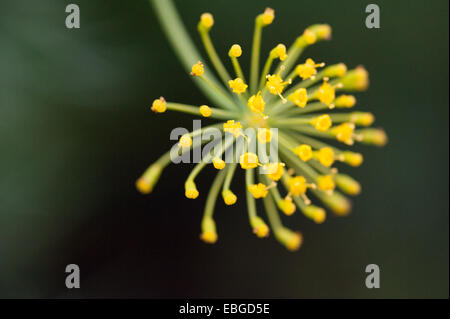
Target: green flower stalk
<point>298,98</point>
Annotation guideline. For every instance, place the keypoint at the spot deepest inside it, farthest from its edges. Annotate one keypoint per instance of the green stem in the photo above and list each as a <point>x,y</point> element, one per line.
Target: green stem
<point>212,195</point>
<point>214,57</point>
<point>254,64</point>
<point>190,109</point>
<point>183,46</point>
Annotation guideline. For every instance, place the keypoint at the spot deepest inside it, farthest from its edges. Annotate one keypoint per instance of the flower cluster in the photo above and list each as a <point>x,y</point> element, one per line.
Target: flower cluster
<point>303,100</point>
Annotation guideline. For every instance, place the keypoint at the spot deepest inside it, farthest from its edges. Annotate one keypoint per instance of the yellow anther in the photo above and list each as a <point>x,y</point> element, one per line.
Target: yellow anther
<point>248,160</point>
<point>322,123</point>
<point>238,85</point>
<point>258,190</point>
<point>304,151</point>
<point>232,127</point>
<point>198,69</point>
<point>286,206</point>
<point>317,214</point>
<point>357,79</point>
<point>353,159</point>
<point>373,136</point>
<point>207,20</point>
<point>280,52</point>
<point>326,183</point>
<point>268,16</point>
<point>205,111</point>
<point>228,197</point>
<point>218,163</point>
<point>159,105</point>
<point>325,156</point>
<point>209,233</point>
<point>308,69</point>
<point>345,101</point>
<point>326,93</point>
<point>235,51</point>
<point>297,185</point>
<point>344,133</point>
<point>275,170</point>
<point>347,184</point>
<point>185,141</point>
<point>264,135</point>
<point>299,97</point>
<point>309,36</point>
<point>190,189</point>
<point>275,84</point>
<point>362,118</point>
<point>256,103</point>
<point>260,228</point>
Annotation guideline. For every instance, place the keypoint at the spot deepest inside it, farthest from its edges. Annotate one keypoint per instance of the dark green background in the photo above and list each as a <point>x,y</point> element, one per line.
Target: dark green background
<point>76,131</point>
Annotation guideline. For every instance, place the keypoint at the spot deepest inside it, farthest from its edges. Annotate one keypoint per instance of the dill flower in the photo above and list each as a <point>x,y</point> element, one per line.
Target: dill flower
<point>296,97</point>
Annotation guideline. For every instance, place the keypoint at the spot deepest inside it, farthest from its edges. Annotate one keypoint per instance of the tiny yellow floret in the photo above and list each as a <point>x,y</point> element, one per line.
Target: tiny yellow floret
<point>205,111</point>
<point>209,233</point>
<point>322,122</point>
<point>297,185</point>
<point>232,127</point>
<point>304,151</point>
<point>275,84</point>
<point>275,170</point>
<point>362,118</point>
<point>326,93</point>
<point>308,69</point>
<point>248,160</point>
<point>268,16</point>
<point>258,190</point>
<point>198,69</point>
<point>299,97</point>
<point>287,206</point>
<point>344,133</point>
<point>326,183</point>
<point>207,20</point>
<point>218,163</point>
<point>325,155</point>
<point>345,101</point>
<point>159,105</point>
<point>185,141</point>
<point>190,189</point>
<point>280,52</point>
<point>256,103</point>
<point>260,228</point>
<point>264,135</point>
<point>353,159</point>
<point>238,85</point>
<point>235,51</point>
<point>229,197</point>
<point>317,214</point>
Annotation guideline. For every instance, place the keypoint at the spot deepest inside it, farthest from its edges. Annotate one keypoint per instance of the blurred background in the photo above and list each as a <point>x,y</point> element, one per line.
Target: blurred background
<point>76,131</point>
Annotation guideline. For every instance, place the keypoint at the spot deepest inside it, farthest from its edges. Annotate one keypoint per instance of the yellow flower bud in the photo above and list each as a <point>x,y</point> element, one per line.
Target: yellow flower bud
<point>260,228</point>
<point>209,233</point>
<point>198,69</point>
<point>304,151</point>
<point>190,189</point>
<point>248,160</point>
<point>218,163</point>
<point>159,105</point>
<point>286,206</point>
<point>205,111</point>
<point>235,51</point>
<point>228,197</point>
<point>347,184</point>
<point>322,123</point>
